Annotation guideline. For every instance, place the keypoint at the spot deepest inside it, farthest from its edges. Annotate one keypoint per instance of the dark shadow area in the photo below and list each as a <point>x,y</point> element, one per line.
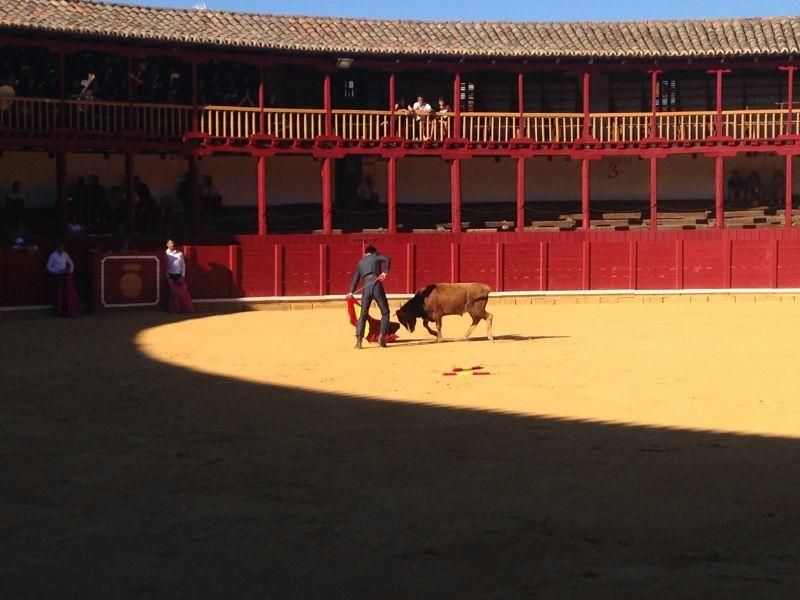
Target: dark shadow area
<point>124,477</point>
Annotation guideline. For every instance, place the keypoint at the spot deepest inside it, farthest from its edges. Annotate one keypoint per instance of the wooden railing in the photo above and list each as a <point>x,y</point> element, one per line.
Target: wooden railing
<point>301,124</point>
<point>229,121</point>
<point>686,126</point>
<point>613,128</point>
<point>32,115</point>
<point>562,128</point>
<point>41,116</point>
<point>754,125</point>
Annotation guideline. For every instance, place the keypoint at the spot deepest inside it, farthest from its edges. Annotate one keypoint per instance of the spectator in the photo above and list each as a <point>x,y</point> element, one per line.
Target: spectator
<point>423,111</point>
<point>146,207</point>
<point>74,229</point>
<point>210,197</point>
<point>98,203</point>
<point>778,191</point>
<point>736,189</point>
<point>79,201</point>
<point>7,93</point>
<point>15,202</point>
<point>755,191</point>
<point>443,117</point>
<point>367,196</point>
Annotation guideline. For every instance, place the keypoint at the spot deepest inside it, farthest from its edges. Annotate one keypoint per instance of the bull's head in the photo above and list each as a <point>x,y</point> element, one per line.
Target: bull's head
<point>406,320</point>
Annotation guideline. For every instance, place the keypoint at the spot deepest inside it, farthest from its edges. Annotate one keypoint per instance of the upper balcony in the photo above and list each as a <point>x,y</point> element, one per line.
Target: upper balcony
<point>37,119</point>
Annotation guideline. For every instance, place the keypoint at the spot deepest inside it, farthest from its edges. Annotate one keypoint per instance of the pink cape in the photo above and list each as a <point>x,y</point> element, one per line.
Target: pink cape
<point>374,325</point>
<point>179,299</point>
<point>67,303</point>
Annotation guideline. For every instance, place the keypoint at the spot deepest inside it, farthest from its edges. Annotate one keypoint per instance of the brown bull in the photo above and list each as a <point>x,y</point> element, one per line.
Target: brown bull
<point>435,301</point>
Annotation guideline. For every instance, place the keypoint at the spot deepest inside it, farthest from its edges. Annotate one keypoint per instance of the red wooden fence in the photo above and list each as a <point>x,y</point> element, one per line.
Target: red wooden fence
<point>310,265</point>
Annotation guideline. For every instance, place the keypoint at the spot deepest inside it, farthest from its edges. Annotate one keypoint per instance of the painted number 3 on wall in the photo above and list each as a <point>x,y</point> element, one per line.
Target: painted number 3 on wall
<point>613,171</point>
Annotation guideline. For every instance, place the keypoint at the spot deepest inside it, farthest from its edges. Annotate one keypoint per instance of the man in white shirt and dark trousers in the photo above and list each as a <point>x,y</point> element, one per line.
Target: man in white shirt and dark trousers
<point>179,298</point>
<point>61,268</point>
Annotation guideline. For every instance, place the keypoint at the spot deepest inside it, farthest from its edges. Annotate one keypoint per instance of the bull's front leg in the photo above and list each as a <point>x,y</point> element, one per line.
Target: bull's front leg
<point>428,327</point>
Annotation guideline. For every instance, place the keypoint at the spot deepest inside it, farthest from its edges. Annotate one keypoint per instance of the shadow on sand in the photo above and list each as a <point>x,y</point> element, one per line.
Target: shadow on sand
<point>123,477</point>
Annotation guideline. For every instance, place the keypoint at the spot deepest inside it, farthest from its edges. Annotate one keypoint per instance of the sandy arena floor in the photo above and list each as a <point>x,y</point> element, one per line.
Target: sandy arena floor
<point>617,451</point>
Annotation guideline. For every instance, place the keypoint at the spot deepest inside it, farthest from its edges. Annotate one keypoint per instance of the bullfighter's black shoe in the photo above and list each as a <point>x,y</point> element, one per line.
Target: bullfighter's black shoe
<point>382,341</point>
<point>358,343</point>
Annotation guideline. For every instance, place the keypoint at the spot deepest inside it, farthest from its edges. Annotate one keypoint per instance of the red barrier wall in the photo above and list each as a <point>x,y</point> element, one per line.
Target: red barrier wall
<point>311,265</point>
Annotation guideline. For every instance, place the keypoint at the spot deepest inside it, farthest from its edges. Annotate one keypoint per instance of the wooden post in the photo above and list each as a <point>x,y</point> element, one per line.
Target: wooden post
<point>262,175</point>
<point>327,195</point>
<point>653,193</point>
<point>457,105</point>
<point>521,103</point>
<point>789,185</point>
<point>130,192</point>
<point>654,103</point>
<point>326,93</point>
<point>719,125</point>
<point>520,194</point>
<point>719,190</point>
<point>62,201</point>
<point>261,127</point>
<point>391,167</point>
<point>455,195</point>
<point>195,107</point>
<point>790,99</point>
<point>194,184</point>
<point>587,81</point>
<point>392,102</point>
<point>129,124</point>
<point>62,91</point>
<point>586,170</point>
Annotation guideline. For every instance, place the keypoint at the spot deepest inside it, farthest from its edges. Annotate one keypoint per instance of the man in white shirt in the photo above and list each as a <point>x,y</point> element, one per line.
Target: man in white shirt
<point>7,94</point>
<point>423,111</point>
<point>176,264</point>
<point>59,262</point>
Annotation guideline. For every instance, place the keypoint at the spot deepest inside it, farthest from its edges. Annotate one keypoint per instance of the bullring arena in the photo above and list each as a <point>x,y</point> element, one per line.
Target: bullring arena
<point>628,190</point>
<point>644,447</point>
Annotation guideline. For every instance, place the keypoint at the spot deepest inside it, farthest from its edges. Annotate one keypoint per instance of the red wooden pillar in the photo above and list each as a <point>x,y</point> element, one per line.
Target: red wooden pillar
<point>719,129</point>
<point>194,184</point>
<point>195,107</point>
<point>520,194</point>
<point>719,190</point>
<point>586,171</point>
<point>129,124</point>
<point>326,94</point>
<point>392,102</point>
<point>62,91</point>
<point>788,191</point>
<point>653,193</point>
<point>130,192</point>
<point>455,194</point>
<point>261,127</point>
<point>262,194</point>
<point>587,99</point>
<point>327,195</point>
<point>457,106</point>
<point>790,99</point>
<point>62,201</point>
<point>654,103</point>
<point>521,104</point>
<point>391,167</point>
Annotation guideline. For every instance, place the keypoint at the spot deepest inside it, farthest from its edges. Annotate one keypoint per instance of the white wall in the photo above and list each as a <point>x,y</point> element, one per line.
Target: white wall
<point>487,180</point>
<point>35,171</point>
<point>424,180</point>
<point>294,180</point>
<point>549,180</point>
<point>235,178</point>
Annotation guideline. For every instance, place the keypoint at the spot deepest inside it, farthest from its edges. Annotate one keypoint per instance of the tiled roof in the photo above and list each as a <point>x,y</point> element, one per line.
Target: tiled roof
<point>632,39</point>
